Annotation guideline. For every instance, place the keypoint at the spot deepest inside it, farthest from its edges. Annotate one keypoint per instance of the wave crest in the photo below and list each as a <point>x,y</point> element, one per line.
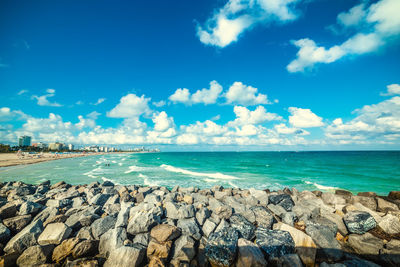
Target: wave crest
<point>216,175</point>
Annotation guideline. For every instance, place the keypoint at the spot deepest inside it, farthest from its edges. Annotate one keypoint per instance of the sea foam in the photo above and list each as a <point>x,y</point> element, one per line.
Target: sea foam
<point>322,187</point>
<point>216,175</point>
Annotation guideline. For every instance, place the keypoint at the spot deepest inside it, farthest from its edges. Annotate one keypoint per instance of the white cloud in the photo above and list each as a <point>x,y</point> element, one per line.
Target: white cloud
<point>207,128</point>
<point>245,95</point>
<point>237,16</point>
<point>304,118</point>
<point>380,23</point>
<point>79,102</point>
<point>205,96</point>
<point>160,103</point>
<point>162,122</point>
<point>284,129</point>
<point>130,106</point>
<point>245,116</point>
<point>6,114</point>
<point>99,101</point>
<point>392,89</point>
<point>23,91</point>
<point>187,139</point>
<point>43,101</point>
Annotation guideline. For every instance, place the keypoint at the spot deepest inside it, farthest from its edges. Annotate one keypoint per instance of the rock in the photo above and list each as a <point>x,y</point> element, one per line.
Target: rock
<point>223,224</point>
<point>188,199</point>
<point>275,243</point>
<point>365,244</point>
<point>152,198</point>
<point>143,239</point>
<point>61,218</point>
<point>276,209</point>
<point>85,262</point>
<point>391,253</point>
<point>183,251</point>
<point>344,193</point>
<point>35,255</point>
<point>304,245</point>
<point>186,211</point>
<point>86,248</point>
<point>9,260</point>
<point>243,226</point>
<point>369,202</point>
<point>395,195</point>
<point>289,218</point>
<point>208,227</point>
<point>123,215</point>
<point>359,222</point>
<point>158,252</point>
<point>24,239</point>
<point>202,215</point>
<point>59,203</point>
<point>165,232</point>
<point>85,233</point>
<point>221,247</point>
<point>64,249</point>
<point>8,210</point>
<point>263,217</point>
<point>17,223</point>
<point>283,200</point>
<point>358,262</point>
<point>112,239</point>
<point>29,207</point>
<point>189,227</point>
<point>127,256</point>
<point>54,233</point>
<point>385,206</point>
<point>287,260</point>
<point>338,220</point>
<point>102,225</point>
<point>332,199</point>
<point>142,221</point>
<point>224,212</point>
<point>172,210</point>
<point>99,199</point>
<point>390,224</point>
<point>4,233</point>
<point>249,254</point>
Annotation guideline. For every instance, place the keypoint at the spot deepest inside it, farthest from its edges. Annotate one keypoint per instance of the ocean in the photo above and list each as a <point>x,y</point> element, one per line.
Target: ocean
<point>377,171</point>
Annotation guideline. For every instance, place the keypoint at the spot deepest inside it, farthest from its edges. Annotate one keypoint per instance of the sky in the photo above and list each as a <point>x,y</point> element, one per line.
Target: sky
<point>202,75</point>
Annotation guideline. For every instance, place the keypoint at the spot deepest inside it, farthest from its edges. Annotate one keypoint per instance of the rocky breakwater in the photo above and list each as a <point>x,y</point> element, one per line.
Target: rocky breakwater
<point>115,225</point>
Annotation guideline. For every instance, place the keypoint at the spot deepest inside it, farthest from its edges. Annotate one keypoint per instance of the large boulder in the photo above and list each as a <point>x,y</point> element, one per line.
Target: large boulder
<point>54,233</point>
<point>208,227</point>
<point>283,200</point>
<point>142,221</point>
<point>244,227</point>
<point>86,248</point>
<point>221,247</point>
<point>102,225</point>
<point>359,222</point>
<point>274,243</point>
<point>65,249</point>
<point>24,239</point>
<point>263,217</point>
<point>365,244</point>
<point>158,252</point>
<point>35,255</point>
<point>190,227</point>
<point>29,207</point>
<point>4,233</point>
<point>385,206</point>
<point>8,210</point>
<point>112,239</point>
<point>249,254</point>
<point>183,251</point>
<point>165,232</point>
<point>390,224</point>
<point>17,223</point>
<point>292,260</point>
<point>127,256</point>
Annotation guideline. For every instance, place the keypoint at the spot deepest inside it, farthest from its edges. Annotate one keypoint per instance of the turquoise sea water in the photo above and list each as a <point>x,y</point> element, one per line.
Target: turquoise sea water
<point>354,171</point>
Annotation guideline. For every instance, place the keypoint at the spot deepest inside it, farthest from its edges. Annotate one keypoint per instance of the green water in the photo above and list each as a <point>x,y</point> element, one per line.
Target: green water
<point>354,171</point>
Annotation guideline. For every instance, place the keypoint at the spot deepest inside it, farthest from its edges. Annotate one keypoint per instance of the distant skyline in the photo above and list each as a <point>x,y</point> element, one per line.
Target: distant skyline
<point>202,75</point>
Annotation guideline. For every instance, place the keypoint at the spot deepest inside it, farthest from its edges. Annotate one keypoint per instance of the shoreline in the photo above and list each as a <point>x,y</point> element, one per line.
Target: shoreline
<point>115,225</point>
<point>12,159</point>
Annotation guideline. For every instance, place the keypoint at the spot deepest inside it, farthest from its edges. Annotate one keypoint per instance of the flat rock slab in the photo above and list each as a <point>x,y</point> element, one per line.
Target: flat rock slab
<point>54,233</point>
<point>275,243</point>
<point>359,222</point>
<point>165,232</point>
<point>249,255</point>
<point>125,256</point>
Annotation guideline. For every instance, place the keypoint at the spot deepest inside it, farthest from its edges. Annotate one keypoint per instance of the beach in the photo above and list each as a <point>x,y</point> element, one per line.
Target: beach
<point>103,224</point>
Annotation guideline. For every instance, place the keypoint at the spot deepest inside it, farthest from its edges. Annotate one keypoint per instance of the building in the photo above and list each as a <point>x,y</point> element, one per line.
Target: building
<point>24,140</point>
<point>39,145</point>
<point>56,146</point>
<point>70,147</point>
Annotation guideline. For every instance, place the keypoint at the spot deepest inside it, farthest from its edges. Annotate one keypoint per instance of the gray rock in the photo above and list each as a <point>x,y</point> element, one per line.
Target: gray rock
<point>4,233</point>
<point>244,227</point>
<point>359,222</point>
<point>390,224</point>
<point>289,218</point>
<point>183,251</point>
<point>127,256</point>
<point>283,200</point>
<point>8,210</point>
<point>78,202</point>
<point>190,227</point>
<point>292,260</point>
<point>111,240</point>
<point>223,224</point>
<point>152,198</point>
<point>123,215</point>
<point>54,233</point>
<point>202,215</point>
<point>263,217</point>
<point>249,254</point>
<point>275,243</point>
<point>29,208</point>
<point>24,239</point>
<point>35,255</point>
<point>221,247</point>
<point>369,202</point>
<point>142,221</point>
<point>99,199</point>
<point>59,203</point>
<point>186,211</point>
<point>365,244</point>
<point>357,262</point>
<point>172,210</point>
<point>143,239</point>
<point>46,213</point>
<point>208,227</point>
<point>102,225</point>
<point>385,206</point>
<point>277,210</point>
<point>86,248</point>
<point>85,233</point>
<point>17,223</point>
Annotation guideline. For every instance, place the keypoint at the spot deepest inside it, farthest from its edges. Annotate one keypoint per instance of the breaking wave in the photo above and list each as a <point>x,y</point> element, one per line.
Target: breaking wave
<point>321,187</point>
<point>216,175</point>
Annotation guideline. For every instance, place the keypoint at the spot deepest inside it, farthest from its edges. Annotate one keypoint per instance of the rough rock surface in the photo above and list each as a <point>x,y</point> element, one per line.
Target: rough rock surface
<point>274,243</point>
<point>221,247</point>
<point>359,222</point>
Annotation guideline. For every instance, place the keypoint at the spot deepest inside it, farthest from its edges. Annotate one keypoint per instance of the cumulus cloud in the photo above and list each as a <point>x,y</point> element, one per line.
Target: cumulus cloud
<point>130,106</point>
<point>162,122</point>
<point>392,89</point>
<point>380,22</point>
<point>284,129</point>
<point>245,116</point>
<point>245,95</point>
<point>204,96</point>
<point>6,114</point>
<point>23,91</point>
<point>99,101</point>
<point>43,100</point>
<point>238,16</point>
<point>304,118</point>
<point>160,103</point>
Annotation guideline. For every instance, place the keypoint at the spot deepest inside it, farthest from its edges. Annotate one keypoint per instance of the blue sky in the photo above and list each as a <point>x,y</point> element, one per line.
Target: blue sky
<point>202,75</point>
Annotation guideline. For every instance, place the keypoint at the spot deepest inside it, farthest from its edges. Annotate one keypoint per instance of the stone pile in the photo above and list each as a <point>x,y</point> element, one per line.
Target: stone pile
<point>115,225</point>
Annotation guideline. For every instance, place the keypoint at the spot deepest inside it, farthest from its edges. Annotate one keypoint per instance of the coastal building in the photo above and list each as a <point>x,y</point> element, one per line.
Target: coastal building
<point>39,145</point>
<point>24,140</point>
<point>70,147</point>
<point>56,146</point>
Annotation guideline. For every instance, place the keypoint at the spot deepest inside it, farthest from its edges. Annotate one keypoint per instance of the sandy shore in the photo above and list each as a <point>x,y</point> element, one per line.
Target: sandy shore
<point>12,159</point>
